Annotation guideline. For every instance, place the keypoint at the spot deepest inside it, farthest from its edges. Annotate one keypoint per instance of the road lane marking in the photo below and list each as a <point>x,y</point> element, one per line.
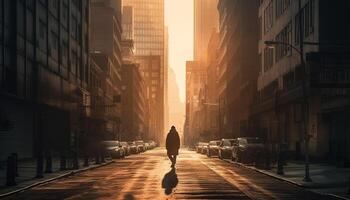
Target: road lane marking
<point>247,187</point>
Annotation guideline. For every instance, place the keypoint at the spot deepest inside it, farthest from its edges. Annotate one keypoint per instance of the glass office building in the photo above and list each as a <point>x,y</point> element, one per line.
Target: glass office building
<point>149,42</point>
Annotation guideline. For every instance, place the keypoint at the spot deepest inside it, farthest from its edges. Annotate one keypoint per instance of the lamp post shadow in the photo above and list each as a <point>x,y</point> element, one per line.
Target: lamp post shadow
<point>170,181</point>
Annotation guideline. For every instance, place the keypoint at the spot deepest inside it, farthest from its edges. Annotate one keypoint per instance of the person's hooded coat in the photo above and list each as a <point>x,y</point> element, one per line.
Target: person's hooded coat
<point>173,142</point>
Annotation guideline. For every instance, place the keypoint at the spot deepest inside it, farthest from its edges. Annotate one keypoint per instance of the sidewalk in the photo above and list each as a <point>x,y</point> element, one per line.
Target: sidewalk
<point>326,178</point>
<point>27,173</point>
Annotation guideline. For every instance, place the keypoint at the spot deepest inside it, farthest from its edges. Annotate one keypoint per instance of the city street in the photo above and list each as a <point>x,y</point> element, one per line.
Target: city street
<point>149,176</point>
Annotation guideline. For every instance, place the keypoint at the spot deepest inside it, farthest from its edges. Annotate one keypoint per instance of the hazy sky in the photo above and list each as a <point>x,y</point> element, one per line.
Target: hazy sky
<point>179,19</point>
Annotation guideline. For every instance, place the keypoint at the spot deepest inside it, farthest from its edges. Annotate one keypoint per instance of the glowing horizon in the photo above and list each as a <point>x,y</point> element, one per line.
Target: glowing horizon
<point>179,19</point>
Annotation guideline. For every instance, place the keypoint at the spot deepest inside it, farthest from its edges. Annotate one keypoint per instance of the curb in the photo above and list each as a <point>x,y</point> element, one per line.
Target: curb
<point>53,179</point>
<point>285,180</point>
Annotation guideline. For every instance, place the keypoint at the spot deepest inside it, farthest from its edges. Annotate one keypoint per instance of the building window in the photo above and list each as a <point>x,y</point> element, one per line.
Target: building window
<point>65,14</point>
<point>285,36</point>
<point>307,15</point>
<point>312,16</point>
<point>74,63</point>
<point>42,29</point>
<point>29,79</point>
<point>268,58</point>
<point>155,74</point>
<point>54,40</point>
<point>154,82</point>
<point>30,26</point>
<point>64,54</point>
<point>260,28</point>
<point>21,18</point>
<point>307,20</point>
<point>268,17</point>
<point>281,7</point>
<point>55,4</point>
<point>74,28</point>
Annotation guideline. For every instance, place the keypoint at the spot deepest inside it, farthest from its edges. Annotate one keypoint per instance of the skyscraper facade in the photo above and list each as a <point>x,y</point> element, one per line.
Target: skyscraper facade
<point>149,41</point>
<point>282,80</point>
<point>238,65</point>
<point>128,23</point>
<point>148,26</point>
<point>150,67</point>
<point>195,78</point>
<point>134,104</point>
<point>106,34</point>
<point>166,79</point>
<point>206,18</point>
<point>44,73</point>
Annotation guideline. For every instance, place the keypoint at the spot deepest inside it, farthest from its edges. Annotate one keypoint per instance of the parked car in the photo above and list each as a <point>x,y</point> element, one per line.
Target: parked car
<point>126,147</point>
<point>213,148</point>
<point>113,149</point>
<point>133,148</point>
<point>152,144</point>
<point>247,149</point>
<point>140,146</point>
<point>147,147</point>
<point>204,148</point>
<point>225,148</point>
<point>199,147</point>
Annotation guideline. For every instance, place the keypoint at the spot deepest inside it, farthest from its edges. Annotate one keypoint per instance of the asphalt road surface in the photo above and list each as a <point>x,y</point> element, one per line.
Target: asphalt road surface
<point>149,176</point>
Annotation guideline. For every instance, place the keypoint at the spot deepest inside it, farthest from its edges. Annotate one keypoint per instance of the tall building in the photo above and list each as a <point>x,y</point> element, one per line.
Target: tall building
<point>238,65</point>
<point>98,112</point>
<point>205,114</point>
<point>128,23</point>
<point>149,41</point>
<point>166,80</point>
<point>211,106</point>
<point>148,26</point>
<point>134,104</point>
<point>128,47</point>
<point>195,79</point>
<point>206,18</point>
<point>44,73</point>
<point>151,70</point>
<point>106,34</point>
<point>280,108</point>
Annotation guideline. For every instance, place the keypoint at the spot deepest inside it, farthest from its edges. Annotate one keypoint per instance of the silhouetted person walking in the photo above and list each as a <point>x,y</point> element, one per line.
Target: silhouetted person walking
<point>172,145</point>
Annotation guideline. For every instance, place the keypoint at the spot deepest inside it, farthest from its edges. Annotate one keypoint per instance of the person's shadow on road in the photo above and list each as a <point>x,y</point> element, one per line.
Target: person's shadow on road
<point>170,181</point>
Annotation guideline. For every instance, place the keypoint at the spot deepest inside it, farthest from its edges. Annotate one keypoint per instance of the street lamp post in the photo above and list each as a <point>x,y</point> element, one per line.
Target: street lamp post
<point>300,51</point>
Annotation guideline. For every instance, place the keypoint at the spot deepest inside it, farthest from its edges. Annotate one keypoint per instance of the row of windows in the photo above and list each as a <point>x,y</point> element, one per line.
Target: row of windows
<point>20,79</point>
<point>153,74</point>
<point>149,45</point>
<point>147,52</point>
<point>306,16</point>
<point>268,58</point>
<point>151,32</point>
<point>268,17</point>
<point>141,39</point>
<point>281,6</point>
<point>285,36</point>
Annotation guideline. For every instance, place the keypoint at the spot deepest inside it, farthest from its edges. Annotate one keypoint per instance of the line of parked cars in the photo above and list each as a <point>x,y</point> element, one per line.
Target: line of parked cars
<point>243,149</point>
<point>116,149</point>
